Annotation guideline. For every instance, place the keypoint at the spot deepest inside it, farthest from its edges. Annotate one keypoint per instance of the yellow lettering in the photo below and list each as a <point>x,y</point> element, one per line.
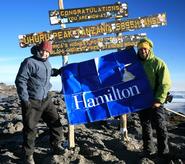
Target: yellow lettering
<point>83,17</point>
<point>60,35</point>
<point>78,12</point>
<point>155,20</point>
<point>55,34</point>
<point>31,39</point>
<point>62,13</point>
<point>122,26</point>
<point>137,23</point>
<point>127,24</point>
<point>131,24</point>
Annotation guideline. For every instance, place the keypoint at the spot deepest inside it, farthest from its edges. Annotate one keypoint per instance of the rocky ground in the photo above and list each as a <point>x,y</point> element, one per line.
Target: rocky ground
<point>95,143</point>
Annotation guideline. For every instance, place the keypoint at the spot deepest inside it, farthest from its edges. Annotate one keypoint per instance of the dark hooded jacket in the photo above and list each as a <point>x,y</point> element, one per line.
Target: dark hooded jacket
<point>33,78</point>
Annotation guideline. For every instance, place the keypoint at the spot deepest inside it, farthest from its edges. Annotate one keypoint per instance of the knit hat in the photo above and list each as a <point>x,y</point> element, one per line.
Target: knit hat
<point>145,43</point>
<point>46,45</point>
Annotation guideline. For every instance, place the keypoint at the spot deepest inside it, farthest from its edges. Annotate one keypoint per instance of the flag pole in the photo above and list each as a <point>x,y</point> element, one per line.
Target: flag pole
<point>71,138</point>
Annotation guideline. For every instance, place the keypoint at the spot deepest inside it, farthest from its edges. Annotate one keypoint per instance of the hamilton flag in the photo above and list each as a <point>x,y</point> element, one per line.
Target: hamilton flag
<point>104,87</point>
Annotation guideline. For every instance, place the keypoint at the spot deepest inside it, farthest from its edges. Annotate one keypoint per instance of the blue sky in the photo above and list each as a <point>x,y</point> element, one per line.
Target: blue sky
<point>24,17</point>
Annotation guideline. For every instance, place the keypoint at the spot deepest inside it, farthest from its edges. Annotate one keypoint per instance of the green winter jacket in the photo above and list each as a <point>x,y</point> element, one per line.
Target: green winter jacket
<point>158,75</point>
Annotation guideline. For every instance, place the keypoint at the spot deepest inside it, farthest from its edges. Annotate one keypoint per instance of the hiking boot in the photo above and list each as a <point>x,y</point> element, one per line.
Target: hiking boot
<point>29,159</point>
<point>148,154</point>
<point>166,155</point>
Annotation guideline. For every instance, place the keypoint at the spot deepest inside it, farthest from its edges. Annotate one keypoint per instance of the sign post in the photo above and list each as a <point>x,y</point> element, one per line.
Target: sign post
<point>71,137</point>
<point>61,6</point>
<point>123,118</point>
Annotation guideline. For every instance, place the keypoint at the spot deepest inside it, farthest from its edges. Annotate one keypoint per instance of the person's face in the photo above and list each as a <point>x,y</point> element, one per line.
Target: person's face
<point>144,53</point>
<point>44,54</point>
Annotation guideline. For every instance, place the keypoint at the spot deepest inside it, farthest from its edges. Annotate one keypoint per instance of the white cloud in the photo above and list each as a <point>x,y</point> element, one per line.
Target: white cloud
<point>56,83</point>
<point>178,86</point>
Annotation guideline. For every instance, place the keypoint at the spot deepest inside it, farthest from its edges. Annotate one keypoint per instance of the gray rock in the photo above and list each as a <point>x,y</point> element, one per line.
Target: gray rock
<point>95,143</point>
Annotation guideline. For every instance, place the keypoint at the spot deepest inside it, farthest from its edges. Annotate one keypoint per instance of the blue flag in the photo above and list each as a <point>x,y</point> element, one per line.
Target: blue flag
<point>107,86</point>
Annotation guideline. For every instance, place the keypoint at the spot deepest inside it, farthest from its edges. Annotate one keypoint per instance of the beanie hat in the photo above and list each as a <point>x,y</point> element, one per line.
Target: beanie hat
<point>46,46</point>
<point>145,43</point>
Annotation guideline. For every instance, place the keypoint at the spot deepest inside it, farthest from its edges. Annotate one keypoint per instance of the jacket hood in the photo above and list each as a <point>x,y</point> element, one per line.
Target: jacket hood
<point>35,51</point>
<point>151,56</point>
<point>146,40</point>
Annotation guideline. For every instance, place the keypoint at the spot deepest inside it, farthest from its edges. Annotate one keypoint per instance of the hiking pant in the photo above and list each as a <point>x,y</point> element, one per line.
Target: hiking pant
<point>36,110</point>
<point>154,118</point>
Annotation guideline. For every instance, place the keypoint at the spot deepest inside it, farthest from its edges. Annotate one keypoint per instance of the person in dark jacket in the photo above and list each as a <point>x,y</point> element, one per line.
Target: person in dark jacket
<point>159,78</point>
<point>33,84</point>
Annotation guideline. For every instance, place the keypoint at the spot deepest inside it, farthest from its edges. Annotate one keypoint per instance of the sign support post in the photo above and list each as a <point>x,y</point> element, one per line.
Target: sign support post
<point>71,138</point>
<point>123,118</point>
<point>61,6</point>
<point>123,127</point>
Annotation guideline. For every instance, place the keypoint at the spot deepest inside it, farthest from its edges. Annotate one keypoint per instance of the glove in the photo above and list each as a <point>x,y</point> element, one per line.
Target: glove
<point>56,72</point>
<point>169,98</point>
<point>25,104</point>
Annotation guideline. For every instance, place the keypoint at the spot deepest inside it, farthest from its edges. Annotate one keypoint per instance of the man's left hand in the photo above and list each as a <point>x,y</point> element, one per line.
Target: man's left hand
<point>156,105</point>
<point>55,72</point>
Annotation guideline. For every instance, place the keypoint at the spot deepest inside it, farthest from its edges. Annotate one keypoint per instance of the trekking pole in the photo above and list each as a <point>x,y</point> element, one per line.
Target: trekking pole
<point>182,115</point>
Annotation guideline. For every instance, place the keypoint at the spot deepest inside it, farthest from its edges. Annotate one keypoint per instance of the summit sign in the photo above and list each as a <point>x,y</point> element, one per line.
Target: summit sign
<point>96,44</point>
<point>88,13</point>
<point>90,31</point>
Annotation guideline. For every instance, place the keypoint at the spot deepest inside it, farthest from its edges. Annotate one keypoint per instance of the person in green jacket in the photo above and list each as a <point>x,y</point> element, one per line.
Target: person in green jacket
<point>159,78</point>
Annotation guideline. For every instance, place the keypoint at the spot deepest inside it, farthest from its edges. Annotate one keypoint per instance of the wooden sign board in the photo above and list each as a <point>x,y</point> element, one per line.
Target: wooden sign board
<point>97,44</point>
<point>88,13</point>
<point>89,31</point>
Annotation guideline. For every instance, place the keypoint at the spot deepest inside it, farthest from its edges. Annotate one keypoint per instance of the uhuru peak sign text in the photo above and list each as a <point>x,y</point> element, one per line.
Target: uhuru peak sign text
<point>96,44</point>
<point>88,13</point>
<point>89,31</point>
